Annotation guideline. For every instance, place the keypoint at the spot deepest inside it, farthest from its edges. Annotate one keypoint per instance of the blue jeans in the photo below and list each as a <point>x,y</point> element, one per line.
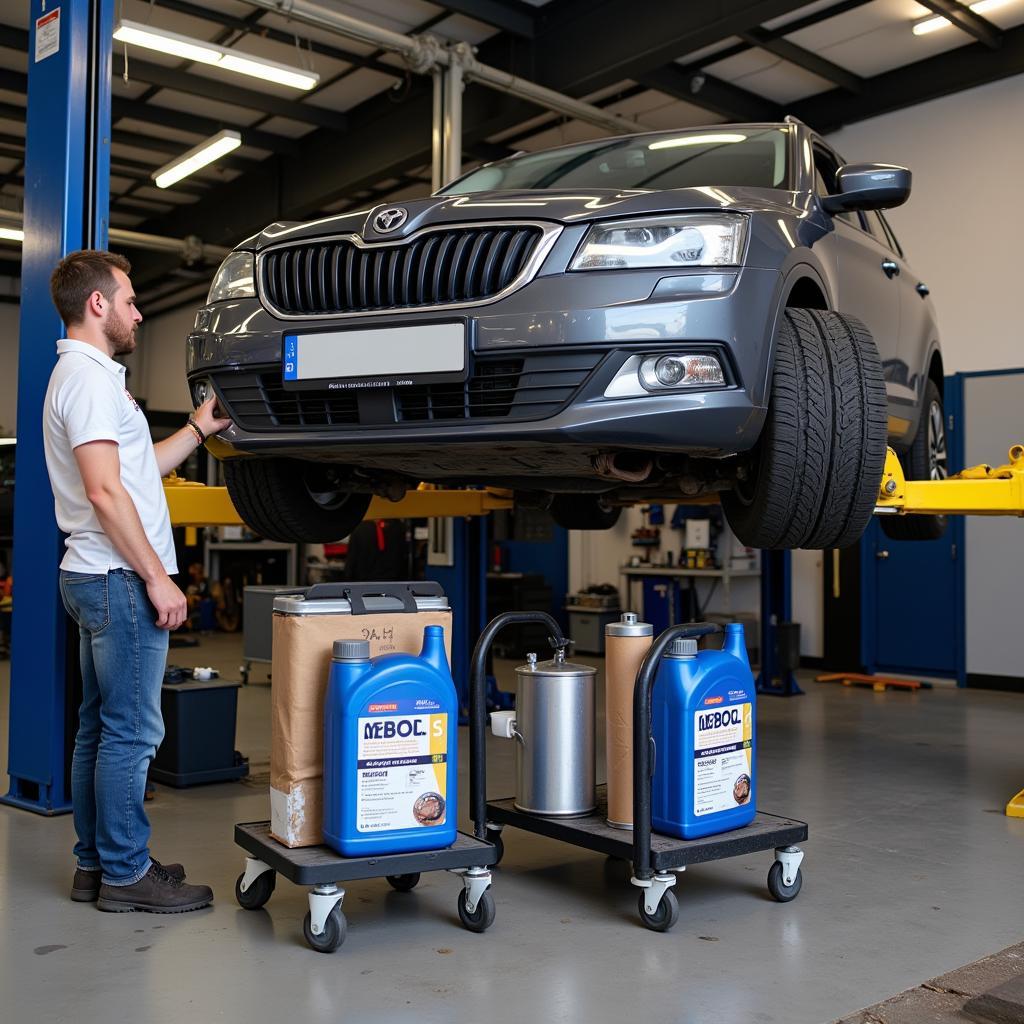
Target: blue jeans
<point>124,655</point>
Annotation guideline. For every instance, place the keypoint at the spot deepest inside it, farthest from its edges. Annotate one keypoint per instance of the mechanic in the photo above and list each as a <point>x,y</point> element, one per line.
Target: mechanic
<point>115,580</point>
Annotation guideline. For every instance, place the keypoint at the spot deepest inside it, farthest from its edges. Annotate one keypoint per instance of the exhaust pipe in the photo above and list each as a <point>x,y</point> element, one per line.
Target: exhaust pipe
<point>633,469</point>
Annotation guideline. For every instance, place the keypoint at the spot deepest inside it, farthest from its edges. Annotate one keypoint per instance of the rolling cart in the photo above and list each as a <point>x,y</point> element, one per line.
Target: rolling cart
<point>321,869</point>
<point>655,858</point>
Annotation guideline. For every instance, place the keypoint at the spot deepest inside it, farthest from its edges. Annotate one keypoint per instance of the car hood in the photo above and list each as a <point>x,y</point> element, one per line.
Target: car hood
<point>571,206</point>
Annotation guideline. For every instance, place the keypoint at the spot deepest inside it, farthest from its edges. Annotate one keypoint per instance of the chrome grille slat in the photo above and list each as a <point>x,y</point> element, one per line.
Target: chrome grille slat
<point>438,267</point>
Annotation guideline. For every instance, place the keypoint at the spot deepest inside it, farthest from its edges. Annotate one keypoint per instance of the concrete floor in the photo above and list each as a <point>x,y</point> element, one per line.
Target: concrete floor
<point>911,870</point>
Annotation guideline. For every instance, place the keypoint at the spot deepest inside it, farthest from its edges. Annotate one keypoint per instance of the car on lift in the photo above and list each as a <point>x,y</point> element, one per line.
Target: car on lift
<point>669,316</point>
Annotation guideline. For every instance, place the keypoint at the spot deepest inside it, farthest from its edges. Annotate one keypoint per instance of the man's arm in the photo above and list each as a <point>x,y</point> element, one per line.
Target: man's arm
<point>174,450</point>
<point>100,465</point>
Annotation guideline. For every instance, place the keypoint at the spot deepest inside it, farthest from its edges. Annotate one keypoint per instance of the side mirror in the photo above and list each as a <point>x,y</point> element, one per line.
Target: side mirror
<point>869,187</point>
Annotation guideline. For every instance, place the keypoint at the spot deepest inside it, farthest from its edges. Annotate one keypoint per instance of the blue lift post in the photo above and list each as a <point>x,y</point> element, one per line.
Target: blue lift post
<point>776,607</point>
<point>67,188</point>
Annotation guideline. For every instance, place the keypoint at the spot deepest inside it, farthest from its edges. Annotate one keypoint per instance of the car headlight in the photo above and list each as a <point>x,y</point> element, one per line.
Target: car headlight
<point>235,279</point>
<point>686,240</point>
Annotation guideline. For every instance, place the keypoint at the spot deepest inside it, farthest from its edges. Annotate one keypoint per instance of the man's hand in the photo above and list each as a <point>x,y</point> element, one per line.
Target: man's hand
<point>206,416</point>
<point>169,602</point>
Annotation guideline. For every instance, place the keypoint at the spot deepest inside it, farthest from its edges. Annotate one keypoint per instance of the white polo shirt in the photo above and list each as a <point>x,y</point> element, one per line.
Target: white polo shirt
<point>87,401</point>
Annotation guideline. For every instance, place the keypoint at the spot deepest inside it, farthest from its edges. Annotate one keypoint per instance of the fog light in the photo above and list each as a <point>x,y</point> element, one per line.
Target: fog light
<point>658,373</point>
<point>201,391</point>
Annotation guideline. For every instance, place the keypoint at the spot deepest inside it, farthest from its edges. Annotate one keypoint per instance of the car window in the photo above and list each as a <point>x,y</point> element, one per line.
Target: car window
<point>825,168</point>
<point>893,241</point>
<point>874,227</point>
<point>743,155</point>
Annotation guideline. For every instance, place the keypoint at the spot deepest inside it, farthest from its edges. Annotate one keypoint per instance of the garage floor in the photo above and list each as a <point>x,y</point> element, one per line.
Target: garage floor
<point>911,870</point>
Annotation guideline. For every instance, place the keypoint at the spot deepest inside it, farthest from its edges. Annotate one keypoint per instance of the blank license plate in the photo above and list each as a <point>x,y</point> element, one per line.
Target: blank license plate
<point>377,357</point>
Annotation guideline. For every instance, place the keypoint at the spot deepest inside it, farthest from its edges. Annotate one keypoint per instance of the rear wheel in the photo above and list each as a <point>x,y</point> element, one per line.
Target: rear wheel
<point>293,501</point>
<point>583,512</point>
<point>812,479</point>
<point>925,459</point>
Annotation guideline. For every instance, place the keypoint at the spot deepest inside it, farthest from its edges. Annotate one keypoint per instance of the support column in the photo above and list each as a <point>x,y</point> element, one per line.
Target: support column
<point>452,96</point>
<point>775,679</point>
<point>67,165</point>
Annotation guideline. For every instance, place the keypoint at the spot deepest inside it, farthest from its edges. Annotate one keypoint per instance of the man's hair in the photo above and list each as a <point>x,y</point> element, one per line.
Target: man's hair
<point>80,274</point>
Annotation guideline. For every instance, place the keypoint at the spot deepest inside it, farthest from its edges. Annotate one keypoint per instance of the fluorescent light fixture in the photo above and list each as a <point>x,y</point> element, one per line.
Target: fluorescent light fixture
<point>199,156</point>
<point>268,70</point>
<point>923,28</point>
<point>12,234</point>
<point>230,59</point>
<point>696,140</point>
<point>167,42</point>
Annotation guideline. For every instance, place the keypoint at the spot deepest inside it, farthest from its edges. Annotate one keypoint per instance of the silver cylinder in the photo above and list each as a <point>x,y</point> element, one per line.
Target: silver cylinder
<point>555,722</point>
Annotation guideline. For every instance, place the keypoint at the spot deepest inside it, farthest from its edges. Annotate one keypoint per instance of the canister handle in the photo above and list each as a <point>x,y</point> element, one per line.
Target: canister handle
<point>643,759</point>
<point>355,593</point>
<point>478,707</point>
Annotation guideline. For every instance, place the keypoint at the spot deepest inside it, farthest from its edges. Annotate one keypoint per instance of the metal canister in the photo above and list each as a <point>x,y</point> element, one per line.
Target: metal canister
<point>554,733</point>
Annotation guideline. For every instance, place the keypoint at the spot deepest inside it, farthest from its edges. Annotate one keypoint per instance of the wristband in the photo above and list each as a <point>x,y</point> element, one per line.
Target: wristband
<point>198,432</point>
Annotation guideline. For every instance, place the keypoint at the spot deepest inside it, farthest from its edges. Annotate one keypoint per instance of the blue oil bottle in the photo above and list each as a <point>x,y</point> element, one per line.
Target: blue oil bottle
<point>702,720</point>
<point>390,734</point>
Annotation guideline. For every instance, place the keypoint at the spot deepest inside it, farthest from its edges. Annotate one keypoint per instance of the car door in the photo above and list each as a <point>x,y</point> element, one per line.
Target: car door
<point>868,286</point>
<point>905,377</point>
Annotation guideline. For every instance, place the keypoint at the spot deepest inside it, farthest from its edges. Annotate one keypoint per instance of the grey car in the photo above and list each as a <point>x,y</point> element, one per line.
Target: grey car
<point>717,313</point>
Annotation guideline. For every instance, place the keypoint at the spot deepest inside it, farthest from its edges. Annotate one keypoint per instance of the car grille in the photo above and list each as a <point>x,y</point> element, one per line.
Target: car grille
<point>522,388</point>
<point>435,268</point>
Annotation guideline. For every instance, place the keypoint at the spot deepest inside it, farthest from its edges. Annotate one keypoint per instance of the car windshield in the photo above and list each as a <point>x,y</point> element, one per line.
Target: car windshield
<point>706,157</point>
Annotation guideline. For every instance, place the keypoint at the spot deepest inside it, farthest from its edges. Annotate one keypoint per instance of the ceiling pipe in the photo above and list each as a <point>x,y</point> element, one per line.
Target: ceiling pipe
<point>425,53</point>
<point>190,249</point>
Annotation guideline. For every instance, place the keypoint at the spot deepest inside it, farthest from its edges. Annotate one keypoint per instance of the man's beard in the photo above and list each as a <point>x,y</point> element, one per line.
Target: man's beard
<point>120,334</point>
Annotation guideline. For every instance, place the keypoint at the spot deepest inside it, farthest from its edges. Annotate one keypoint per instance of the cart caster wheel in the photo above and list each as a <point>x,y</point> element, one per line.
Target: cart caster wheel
<point>665,916</point>
<point>258,893</point>
<point>333,935</point>
<point>778,888</point>
<point>404,883</point>
<point>482,918</point>
<point>494,836</point>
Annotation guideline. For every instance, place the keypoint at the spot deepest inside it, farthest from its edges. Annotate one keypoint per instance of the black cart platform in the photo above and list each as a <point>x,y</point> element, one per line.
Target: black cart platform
<point>654,857</point>
<point>765,832</point>
<point>322,869</point>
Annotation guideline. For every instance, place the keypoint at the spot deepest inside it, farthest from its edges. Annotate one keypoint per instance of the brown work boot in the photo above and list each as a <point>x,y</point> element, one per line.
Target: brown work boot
<point>86,886</point>
<point>157,892</point>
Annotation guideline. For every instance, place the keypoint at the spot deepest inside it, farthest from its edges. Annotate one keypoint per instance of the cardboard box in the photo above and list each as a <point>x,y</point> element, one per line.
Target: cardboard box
<point>392,617</point>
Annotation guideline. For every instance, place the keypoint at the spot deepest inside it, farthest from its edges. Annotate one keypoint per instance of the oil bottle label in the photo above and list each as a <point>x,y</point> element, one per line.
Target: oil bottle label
<point>723,749</point>
<point>402,770</point>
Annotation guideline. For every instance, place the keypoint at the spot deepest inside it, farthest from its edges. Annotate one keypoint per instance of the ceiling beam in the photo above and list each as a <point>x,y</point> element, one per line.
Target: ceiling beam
<point>150,113</point>
<point>519,19</point>
<point>805,59</point>
<point>963,68</point>
<point>704,90</point>
<point>970,22</point>
<point>614,40</point>
<point>224,92</point>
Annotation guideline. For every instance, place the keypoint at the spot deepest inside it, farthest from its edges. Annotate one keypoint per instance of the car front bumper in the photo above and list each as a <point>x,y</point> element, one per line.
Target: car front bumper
<point>542,362</point>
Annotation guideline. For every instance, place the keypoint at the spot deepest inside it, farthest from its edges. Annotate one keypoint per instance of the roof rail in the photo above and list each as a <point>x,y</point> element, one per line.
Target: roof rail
<point>793,119</point>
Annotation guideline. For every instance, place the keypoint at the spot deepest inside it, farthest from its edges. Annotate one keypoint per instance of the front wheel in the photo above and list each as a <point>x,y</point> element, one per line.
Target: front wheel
<point>812,479</point>
<point>293,501</point>
<point>666,914</point>
<point>777,885</point>
<point>483,914</point>
<point>333,935</point>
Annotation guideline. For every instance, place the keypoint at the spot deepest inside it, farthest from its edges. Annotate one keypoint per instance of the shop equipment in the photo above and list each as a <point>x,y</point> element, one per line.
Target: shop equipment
<point>553,730</point>
<point>655,858</point>
<point>626,643</point>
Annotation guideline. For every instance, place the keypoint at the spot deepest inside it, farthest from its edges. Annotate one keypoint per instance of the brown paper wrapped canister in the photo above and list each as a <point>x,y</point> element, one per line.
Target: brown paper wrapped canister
<point>626,643</point>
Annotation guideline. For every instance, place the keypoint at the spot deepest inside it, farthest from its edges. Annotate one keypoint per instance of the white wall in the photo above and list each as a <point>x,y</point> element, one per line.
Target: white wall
<point>960,229</point>
<point>160,377</point>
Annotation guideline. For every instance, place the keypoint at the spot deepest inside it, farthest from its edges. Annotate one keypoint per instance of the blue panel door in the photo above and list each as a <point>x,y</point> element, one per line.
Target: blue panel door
<point>915,613</point>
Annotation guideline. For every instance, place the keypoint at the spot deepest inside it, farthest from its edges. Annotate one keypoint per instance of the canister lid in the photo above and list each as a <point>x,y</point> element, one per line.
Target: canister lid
<point>629,626</point>
<point>351,650</point>
<point>682,647</point>
<point>555,667</point>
